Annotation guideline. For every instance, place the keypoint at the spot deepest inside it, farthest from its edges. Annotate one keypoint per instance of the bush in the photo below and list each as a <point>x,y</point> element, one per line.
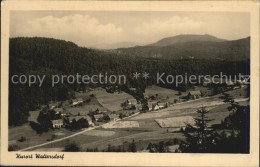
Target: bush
<point>22,139</point>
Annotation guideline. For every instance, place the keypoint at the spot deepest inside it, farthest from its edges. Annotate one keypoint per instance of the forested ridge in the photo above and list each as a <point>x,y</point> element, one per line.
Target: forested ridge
<point>46,56</point>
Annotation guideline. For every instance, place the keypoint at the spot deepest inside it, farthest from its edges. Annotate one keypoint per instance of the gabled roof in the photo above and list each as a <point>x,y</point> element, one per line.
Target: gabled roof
<point>58,109</point>
<point>82,113</point>
<point>98,116</point>
<point>132,100</point>
<point>113,116</point>
<point>58,121</point>
<point>195,92</point>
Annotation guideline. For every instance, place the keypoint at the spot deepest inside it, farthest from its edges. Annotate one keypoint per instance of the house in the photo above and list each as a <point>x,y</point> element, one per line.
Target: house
<point>57,110</point>
<point>113,117</point>
<point>194,94</point>
<point>90,122</point>
<point>155,107</point>
<point>132,89</point>
<point>53,105</point>
<point>64,113</point>
<point>162,105</point>
<point>98,117</point>
<point>129,104</point>
<point>83,113</point>
<point>132,101</point>
<point>150,106</point>
<point>77,101</point>
<point>57,123</point>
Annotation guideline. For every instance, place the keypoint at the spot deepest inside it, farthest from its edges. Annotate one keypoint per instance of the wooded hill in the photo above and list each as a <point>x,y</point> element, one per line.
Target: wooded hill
<point>45,56</point>
<point>194,47</point>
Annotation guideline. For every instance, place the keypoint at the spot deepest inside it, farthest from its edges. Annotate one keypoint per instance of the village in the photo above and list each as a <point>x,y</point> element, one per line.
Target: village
<point>100,111</point>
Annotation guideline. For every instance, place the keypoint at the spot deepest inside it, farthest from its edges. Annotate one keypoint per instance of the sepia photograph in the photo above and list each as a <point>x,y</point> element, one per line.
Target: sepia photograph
<point>148,82</point>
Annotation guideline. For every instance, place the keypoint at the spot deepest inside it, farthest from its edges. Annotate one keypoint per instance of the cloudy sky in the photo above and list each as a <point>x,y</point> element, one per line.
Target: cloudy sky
<point>98,27</point>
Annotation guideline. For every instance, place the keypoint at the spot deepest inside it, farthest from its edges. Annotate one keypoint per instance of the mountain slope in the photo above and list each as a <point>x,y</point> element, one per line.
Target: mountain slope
<point>115,45</point>
<point>237,50</point>
<point>186,38</point>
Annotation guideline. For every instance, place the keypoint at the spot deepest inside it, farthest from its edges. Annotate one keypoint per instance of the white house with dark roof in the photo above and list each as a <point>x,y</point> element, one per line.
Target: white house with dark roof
<point>98,117</point>
<point>194,94</point>
<point>57,123</point>
<point>57,110</point>
<point>162,105</point>
<point>113,117</point>
<point>77,101</point>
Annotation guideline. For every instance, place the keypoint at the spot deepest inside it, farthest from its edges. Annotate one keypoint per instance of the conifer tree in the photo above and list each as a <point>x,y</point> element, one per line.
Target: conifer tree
<point>199,138</point>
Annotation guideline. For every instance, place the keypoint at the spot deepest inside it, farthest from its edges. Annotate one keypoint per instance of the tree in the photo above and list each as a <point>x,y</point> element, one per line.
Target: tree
<point>199,138</point>
<point>132,147</point>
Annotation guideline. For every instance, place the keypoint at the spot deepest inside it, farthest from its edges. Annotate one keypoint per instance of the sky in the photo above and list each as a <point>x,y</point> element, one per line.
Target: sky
<point>91,28</point>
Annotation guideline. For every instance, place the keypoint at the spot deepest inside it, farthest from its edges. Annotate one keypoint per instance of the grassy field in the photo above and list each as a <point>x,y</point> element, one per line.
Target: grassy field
<point>121,124</point>
<point>32,138</point>
<point>111,101</point>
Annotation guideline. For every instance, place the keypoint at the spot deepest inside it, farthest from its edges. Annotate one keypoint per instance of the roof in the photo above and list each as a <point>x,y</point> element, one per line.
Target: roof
<point>58,121</point>
<point>112,116</point>
<point>195,92</point>
<point>58,109</point>
<point>83,112</point>
<point>98,116</point>
<point>132,101</point>
<point>132,89</point>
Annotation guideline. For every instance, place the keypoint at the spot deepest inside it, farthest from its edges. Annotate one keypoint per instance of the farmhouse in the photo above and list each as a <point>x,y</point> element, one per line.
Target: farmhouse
<point>155,107</point>
<point>57,123</point>
<point>58,110</point>
<point>162,105</point>
<point>90,122</point>
<point>98,117</point>
<point>194,94</point>
<point>129,104</point>
<point>132,89</point>
<point>113,117</point>
<point>132,101</point>
<point>83,113</point>
<point>64,113</point>
<point>77,101</point>
<point>53,105</point>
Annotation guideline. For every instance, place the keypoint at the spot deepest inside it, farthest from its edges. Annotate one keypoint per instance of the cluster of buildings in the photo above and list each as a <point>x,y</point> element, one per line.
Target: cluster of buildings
<point>68,116</point>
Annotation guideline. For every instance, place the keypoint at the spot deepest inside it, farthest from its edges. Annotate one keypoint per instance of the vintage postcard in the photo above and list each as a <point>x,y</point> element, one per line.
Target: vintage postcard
<point>130,83</point>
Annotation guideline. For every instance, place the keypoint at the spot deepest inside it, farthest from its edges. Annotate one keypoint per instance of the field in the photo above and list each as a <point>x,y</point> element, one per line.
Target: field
<point>99,133</point>
<point>175,122</point>
<point>121,124</point>
<point>111,101</point>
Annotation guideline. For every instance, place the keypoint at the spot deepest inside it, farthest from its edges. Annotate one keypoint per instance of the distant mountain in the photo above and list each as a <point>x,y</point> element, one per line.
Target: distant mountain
<point>186,38</point>
<point>114,45</point>
<point>205,47</point>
